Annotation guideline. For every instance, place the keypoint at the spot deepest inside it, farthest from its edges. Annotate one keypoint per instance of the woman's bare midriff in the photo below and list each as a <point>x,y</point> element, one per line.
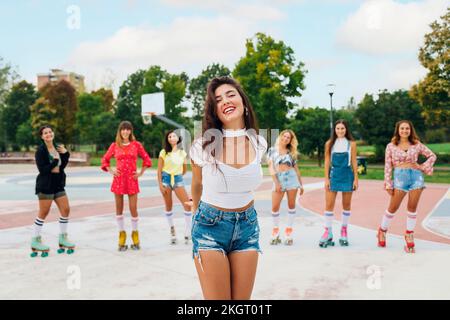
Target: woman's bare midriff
<point>407,166</point>
<point>283,167</point>
<point>234,210</point>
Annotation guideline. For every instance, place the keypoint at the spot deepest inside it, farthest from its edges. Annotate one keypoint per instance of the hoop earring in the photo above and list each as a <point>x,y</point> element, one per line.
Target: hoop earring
<point>246,111</point>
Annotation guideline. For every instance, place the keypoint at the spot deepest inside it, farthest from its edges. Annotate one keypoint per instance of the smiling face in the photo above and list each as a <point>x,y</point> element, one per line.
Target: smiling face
<point>47,135</point>
<point>404,130</point>
<point>230,107</point>
<point>285,139</point>
<point>173,139</point>
<point>340,130</point>
<point>125,134</point>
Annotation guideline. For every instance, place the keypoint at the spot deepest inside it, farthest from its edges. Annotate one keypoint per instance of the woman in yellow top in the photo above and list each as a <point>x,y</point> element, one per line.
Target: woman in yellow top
<point>171,168</point>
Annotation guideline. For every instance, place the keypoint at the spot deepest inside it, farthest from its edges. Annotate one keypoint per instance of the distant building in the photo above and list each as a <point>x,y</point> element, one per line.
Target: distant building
<point>56,75</point>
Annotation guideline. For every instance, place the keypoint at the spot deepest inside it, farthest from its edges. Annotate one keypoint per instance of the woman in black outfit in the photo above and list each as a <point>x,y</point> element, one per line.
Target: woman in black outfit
<point>51,159</point>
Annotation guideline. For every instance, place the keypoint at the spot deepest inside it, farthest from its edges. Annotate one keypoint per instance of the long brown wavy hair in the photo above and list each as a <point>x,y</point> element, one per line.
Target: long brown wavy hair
<point>124,125</point>
<point>333,138</point>
<point>211,119</point>
<point>413,137</point>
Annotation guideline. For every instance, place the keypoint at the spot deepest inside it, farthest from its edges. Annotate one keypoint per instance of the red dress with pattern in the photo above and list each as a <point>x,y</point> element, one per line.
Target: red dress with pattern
<point>126,158</point>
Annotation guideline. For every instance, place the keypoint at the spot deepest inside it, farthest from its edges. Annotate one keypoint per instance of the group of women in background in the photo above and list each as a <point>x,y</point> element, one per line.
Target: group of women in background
<point>226,170</point>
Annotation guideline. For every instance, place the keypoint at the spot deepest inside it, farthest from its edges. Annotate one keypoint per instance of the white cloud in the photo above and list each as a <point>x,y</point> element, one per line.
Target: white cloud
<point>187,44</point>
<point>387,26</point>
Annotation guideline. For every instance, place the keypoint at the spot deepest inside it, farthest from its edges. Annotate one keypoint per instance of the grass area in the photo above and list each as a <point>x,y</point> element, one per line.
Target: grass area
<point>438,148</point>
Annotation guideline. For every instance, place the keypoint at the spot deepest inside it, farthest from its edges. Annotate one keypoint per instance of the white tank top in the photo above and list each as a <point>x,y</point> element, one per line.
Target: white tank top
<point>225,186</point>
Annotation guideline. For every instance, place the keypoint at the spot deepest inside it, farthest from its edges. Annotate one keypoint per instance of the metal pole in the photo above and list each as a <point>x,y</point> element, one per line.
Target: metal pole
<point>331,114</point>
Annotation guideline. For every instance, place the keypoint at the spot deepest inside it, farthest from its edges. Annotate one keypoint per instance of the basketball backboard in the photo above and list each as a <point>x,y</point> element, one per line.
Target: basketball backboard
<point>152,104</point>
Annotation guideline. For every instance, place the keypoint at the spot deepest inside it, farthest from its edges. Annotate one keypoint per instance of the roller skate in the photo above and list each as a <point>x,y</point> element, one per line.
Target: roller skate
<point>288,241</point>
<point>326,239</point>
<point>37,246</point>
<point>409,238</point>
<point>173,238</point>
<point>187,236</point>
<point>122,241</point>
<point>343,241</point>
<point>64,244</point>
<point>135,239</point>
<point>275,239</point>
<point>381,236</point>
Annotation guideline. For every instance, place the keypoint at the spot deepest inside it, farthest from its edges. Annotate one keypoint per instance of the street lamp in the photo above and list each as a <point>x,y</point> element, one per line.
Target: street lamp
<point>331,87</point>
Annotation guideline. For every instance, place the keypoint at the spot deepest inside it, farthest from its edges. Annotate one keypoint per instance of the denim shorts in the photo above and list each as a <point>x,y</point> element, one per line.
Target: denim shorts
<point>53,196</point>
<point>214,229</point>
<point>288,180</point>
<point>177,180</point>
<point>406,179</point>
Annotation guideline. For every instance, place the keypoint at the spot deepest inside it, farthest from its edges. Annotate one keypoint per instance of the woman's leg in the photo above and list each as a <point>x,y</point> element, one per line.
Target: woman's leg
<point>330,199</point>
<point>119,211</point>
<point>44,209</point>
<point>132,203</point>
<point>413,201</point>
<point>243,272</point>
<point>276,201</point>
<point>394,204</point>
<point>291,197</point>
<point>213,269</point>
<point>347,206</point>
<point>64,210</point>
<point>181,194</point>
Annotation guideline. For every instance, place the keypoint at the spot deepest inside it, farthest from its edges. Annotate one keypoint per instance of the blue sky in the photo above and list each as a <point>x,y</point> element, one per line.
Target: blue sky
<point>361,46</point>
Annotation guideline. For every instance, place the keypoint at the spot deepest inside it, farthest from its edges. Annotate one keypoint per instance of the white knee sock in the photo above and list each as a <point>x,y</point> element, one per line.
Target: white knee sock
<point>169,216</point>
<point>120,222</point>
<point>134,223</point>
<point>345,217</point>
<point>386,221</point>
<point>38,224</point>
<point>63,222</point>
<point>411,221</point>
<point>291,216</point>
<point>276,219</point>
<point>187,223</point>
<point>329,216</point>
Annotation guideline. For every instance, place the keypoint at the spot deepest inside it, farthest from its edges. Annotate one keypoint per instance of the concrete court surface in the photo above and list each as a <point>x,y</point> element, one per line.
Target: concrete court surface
<point>163,271</point>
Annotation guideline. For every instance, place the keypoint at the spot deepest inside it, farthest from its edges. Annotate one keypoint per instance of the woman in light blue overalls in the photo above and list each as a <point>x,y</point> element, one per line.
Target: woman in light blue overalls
<point>340,175</point>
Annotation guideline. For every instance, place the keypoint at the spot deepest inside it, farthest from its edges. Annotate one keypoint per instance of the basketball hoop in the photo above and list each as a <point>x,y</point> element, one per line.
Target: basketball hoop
<point>147,117</point>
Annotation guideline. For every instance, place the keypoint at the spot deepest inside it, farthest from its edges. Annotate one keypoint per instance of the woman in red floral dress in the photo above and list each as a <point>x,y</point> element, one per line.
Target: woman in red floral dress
<point>126,150</point>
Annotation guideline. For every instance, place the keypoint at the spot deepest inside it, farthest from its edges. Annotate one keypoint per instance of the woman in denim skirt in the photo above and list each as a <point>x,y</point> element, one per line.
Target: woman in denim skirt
<point>341,175</point>
<point>226,169</point>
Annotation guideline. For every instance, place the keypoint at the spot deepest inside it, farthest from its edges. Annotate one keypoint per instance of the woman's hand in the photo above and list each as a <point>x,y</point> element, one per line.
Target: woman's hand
<point>355,184</point>
<point>277,187</point>
<point>137,175</point>
<point>301,190</point>
<point>114,172</point>
<point>327,184</point>
<point>61,149</point>
<point>416,167</point>
<point>163,189</point>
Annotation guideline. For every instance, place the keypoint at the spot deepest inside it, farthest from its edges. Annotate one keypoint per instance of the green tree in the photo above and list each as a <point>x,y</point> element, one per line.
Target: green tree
<point>311,126</point>
<point>106,124</point>
<point>270,76</point>
<point>197,87</point>
<point>7,77</point>
<point>377,117</point>
<point>152,80</point>
<point>42,114</point>
<point>433,92</point>
<point>17,111</point>
<point>89,105</point>
<point>107,97</point>
<point>25,136</point>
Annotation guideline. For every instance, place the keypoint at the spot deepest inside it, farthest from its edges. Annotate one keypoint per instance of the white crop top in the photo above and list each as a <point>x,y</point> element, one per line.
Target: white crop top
<point>223,185</point>
<point>343,145</point>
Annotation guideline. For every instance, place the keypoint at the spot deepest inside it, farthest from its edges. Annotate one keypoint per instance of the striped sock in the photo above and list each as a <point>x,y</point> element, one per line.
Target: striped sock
<point>38,224</point>
<point>345,217</point>
<point>411,221</point>
<point>63,222</point>
<point>387,218</point>
<point>134,223</point>
<point>329,215</point>
<point>187,223</point>
<point>291,216</point>
<point>169,216</point>
<point>276,219</point>
<point>120,222</point>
